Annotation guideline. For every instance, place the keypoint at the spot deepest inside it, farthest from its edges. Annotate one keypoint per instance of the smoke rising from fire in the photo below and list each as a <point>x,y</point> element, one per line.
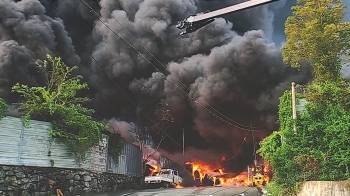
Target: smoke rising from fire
<point>231,65</point>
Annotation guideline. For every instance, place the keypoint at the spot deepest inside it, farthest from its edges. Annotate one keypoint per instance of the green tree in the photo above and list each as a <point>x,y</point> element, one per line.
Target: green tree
<point>57,102</point>
<point>315,33</point>
<point>3,108</point>
<point>319,150</point>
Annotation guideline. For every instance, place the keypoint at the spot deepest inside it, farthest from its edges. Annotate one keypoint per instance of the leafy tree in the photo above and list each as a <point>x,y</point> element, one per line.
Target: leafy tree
<point>315,33</point>
<point>3,108</point>
<point>58,103</point>
<point>329,93</point>
<point>319,150</point>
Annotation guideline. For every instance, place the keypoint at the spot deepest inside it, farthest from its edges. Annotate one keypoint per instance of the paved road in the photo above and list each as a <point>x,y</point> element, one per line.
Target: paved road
<point>225,190</point>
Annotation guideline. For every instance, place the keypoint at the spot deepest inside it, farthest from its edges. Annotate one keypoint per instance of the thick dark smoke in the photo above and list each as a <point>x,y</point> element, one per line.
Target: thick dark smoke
<point>27,34</point>
<point>230,69</point>
<point>270,18</point>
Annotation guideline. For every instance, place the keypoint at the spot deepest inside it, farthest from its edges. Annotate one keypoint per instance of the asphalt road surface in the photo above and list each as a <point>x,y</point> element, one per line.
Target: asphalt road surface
<point>224,190</point>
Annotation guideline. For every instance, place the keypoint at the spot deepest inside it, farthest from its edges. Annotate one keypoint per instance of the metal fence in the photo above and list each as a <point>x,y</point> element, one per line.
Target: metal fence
<point>129,161</point>
<point>34,146</point>
<point>24,146</point>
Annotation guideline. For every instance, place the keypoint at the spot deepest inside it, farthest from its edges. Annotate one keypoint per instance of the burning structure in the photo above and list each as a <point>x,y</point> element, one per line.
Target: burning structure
<point>204,175</point>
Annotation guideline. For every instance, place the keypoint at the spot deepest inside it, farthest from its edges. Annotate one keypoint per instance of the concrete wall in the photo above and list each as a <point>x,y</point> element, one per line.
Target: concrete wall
<point>325,188</point>
<point>43,181</point>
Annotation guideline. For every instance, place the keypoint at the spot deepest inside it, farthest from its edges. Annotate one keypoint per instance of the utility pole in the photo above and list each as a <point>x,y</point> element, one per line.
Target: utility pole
<point>183,141</point>
<point>294,105</point>
<point>249,175</point>
<point>140,138</point>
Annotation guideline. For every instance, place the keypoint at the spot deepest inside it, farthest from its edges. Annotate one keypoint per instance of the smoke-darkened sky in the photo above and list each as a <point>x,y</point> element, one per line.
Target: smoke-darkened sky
<point>213,82</point>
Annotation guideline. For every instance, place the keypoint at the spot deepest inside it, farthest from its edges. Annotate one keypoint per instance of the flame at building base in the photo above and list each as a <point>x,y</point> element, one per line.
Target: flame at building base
<point>205,175</point>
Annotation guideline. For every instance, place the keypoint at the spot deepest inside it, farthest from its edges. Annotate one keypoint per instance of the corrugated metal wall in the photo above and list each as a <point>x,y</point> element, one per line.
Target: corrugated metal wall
<point>34,146</point>
<point>96,157</point>
<point>60,155</point>
<point>24,146</point>
<point>117,167</point>
<point>129,161</point>
<point>10,131</point>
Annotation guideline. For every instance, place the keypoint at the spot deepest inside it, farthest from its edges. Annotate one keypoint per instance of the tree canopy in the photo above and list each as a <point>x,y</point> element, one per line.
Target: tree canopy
<point>319,148</point>
<point>316,34</point>
<point>57,102</point>
<point>318,151</point>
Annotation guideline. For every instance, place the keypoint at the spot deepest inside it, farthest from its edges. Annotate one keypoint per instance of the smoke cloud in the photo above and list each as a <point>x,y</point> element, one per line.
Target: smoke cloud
<point>27,34</point>
<point>217,82</point>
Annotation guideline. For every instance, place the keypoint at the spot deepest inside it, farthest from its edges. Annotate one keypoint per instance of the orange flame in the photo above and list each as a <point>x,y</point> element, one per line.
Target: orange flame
<point>267,171</point>
<point>156,168</point>
<point>203,169</point>
<point>238,180</point>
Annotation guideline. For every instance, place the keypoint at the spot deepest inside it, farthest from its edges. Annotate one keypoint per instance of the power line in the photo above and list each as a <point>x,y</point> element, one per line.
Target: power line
<point>109,77</point>
<point>117,34</point>
<point>240,147</point>
<point>99,65</point>
<point>142,56</point>
<point>219,115</point>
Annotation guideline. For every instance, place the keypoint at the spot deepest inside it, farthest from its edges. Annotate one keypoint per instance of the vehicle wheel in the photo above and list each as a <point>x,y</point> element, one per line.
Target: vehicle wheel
<point>166,185</point>
<point>197,182</point>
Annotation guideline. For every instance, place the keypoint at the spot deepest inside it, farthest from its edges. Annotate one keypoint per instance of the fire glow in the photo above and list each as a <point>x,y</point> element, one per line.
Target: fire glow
<point>206,175</point>
<point>267,171</point>
<point>154,169</point>
<point>216,175</point>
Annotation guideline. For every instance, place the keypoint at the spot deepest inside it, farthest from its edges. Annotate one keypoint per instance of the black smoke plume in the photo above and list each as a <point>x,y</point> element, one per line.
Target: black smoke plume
<point>216,84</point>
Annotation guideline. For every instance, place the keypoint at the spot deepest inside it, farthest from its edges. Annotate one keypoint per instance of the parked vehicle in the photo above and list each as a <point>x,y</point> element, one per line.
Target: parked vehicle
<point>259,178</point>
<point>165,178</point>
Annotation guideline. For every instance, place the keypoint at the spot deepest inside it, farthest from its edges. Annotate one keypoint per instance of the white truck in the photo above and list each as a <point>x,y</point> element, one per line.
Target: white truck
<point>165,178</point>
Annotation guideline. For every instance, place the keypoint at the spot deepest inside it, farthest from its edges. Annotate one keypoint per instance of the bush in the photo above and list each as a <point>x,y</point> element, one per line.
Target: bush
<point>3,108</point>
<point>319,150</point>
